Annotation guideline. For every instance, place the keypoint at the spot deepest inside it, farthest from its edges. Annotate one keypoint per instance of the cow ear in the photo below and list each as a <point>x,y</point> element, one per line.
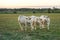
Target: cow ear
<point>40,19</point>
<point>26,18</point>
<point>47,16</point>
<point>29,18</point>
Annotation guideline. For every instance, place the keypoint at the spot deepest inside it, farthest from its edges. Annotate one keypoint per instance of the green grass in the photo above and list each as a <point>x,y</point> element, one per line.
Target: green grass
<point>10,30</point>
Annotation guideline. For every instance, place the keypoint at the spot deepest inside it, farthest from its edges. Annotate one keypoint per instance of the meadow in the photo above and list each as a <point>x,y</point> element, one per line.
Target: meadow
<point>10,30</point>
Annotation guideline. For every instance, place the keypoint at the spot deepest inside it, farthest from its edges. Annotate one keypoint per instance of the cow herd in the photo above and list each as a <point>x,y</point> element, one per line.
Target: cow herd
<point>33,21</point>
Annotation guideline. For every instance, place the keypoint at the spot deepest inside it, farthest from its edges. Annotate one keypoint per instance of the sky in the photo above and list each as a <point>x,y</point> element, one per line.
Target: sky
<point>29,3</point>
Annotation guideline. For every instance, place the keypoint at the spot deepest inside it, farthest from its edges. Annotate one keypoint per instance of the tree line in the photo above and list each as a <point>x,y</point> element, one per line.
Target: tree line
<point>29,10</point>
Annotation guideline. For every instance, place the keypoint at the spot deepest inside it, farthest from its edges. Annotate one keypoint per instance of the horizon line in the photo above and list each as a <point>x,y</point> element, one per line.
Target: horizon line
<point>33,7</point>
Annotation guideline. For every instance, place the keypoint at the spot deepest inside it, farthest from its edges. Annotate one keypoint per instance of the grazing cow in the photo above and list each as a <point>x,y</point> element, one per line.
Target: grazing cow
<point>44,21</point>
<point>23,20</point>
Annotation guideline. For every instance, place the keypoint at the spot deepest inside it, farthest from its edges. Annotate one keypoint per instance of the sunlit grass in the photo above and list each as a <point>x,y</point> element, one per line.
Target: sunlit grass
<point>10,30</point>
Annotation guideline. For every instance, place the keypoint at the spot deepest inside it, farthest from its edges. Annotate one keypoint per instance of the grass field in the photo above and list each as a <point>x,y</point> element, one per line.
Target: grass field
<point>10,30</point>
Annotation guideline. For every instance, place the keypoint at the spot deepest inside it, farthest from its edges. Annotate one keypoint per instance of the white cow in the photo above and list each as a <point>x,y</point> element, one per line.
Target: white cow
<point>44,21</point>
<point>34,21</point>
<point>23,20</point>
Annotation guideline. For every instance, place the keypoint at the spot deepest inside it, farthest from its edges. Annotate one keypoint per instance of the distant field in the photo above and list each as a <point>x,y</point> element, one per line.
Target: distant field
<point>10,30</point>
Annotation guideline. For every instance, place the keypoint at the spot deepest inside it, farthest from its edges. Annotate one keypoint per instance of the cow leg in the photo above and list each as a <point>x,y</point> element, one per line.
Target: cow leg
<point>25,26</point>
<point>20,26</point>
<point>40,26</point>
<point>35,25</point>
<point>43,26</point>
<point>32,27</point>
